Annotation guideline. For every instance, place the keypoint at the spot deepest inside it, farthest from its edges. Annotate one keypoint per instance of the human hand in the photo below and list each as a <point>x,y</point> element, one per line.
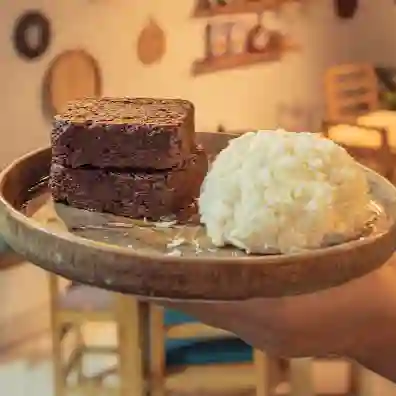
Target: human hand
<point>345,320</point>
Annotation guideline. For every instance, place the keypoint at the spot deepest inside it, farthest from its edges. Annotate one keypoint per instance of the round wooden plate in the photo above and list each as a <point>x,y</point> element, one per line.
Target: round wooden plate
<point>151,45</point>
<point>73,74</point>
<point>129,256</point>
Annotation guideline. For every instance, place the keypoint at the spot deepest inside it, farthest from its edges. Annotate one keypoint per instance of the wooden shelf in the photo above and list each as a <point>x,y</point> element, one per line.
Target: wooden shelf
<point>240,8</point>
<point>233,61</point>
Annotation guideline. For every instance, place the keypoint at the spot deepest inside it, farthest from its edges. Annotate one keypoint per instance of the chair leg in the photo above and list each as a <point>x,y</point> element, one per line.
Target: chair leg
<point>130,357</point>
<point>362,381</point>
<point>157,335</point>
<point>262,366</point>
<point>80,345</point>
<point>301,377</point>
<point>57,360</point>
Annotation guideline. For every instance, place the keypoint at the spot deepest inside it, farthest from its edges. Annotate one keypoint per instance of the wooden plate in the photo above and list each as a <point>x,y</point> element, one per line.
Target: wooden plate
<point>73,74</point>
<point>151,45</point>
<point>132,257</point>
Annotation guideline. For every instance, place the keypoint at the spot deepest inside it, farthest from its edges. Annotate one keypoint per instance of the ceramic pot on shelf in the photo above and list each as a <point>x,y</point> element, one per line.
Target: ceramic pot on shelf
<point>220,40</point>
<point>258,38</point>
<point>346,9</point>
<point>239,34</point>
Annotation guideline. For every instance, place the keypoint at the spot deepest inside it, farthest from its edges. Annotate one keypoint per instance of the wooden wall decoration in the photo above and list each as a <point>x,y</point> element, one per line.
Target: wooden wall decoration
<point>151,46</point>
<point>73,74</point>
<point>31,35</point>
<point>346,9</point>
<point>222,39</point>
<point>210,8</point>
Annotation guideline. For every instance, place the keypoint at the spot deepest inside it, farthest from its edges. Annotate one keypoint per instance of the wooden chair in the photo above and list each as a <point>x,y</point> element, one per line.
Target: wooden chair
<point>170,325</point>
<point>351,90</point>
<point>77,305</point>
<point>368,145</point>
<point>354,118</point>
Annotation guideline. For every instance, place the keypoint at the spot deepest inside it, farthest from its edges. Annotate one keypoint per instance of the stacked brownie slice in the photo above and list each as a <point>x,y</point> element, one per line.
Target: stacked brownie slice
<point>130,157</point>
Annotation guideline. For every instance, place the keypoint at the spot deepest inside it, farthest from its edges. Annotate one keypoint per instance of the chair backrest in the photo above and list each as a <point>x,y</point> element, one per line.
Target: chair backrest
<point>351,90</point>
<point>368,145</point>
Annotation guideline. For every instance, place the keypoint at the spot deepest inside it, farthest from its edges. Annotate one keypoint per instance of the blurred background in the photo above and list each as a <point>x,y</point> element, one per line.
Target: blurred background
<point>245,64</point>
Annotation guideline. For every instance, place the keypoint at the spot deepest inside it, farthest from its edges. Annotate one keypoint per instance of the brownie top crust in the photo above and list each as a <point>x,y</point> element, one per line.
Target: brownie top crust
<point>127,111</point>
<point>140,133</point>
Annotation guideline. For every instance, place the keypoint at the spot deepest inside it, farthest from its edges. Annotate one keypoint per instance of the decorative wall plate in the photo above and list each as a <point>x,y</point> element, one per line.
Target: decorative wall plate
<point>151,44</point>
<point>73,74</point>
<point>32,34</point>
<point>346,9</point>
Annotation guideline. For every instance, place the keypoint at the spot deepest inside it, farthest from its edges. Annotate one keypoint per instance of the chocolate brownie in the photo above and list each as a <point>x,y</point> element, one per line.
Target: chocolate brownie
<point>124,132</point>
<point>135,194</point>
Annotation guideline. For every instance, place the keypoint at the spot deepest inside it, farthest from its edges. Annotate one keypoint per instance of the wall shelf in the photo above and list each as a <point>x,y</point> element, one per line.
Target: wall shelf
<point>240,7</point>
<point>225,62</point>
<point>233,61</point>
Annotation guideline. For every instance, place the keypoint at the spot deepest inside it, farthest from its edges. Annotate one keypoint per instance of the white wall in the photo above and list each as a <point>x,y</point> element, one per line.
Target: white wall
<point>375,38</point>
<point>108,29</point>
<point>93,25</point>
